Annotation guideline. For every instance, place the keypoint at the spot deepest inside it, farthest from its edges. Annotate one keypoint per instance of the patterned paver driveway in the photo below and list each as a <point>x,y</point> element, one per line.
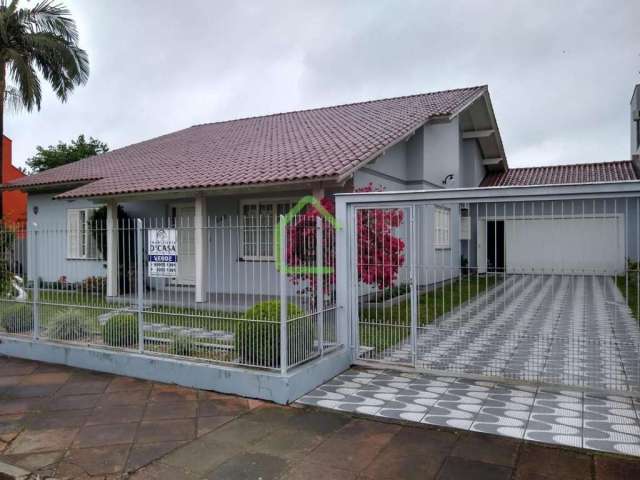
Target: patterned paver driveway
<point>559,329</point>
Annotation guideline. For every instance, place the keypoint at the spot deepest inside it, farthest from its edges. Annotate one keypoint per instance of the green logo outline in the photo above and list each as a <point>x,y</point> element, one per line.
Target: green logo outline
<point>281,265</point>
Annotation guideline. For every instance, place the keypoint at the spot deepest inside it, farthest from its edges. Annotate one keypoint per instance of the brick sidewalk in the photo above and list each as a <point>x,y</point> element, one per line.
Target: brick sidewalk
<point>70,423</point>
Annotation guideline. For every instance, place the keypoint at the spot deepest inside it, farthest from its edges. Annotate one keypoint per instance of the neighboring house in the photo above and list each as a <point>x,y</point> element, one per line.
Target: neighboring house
<point>265,164</point>
<point>14,202</point>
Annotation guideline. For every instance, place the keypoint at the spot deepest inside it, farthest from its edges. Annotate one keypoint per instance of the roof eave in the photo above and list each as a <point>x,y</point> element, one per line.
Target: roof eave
<point>209,191</point>
<point>504,164</point>
<point>40,187</point>
<point>482,91</point>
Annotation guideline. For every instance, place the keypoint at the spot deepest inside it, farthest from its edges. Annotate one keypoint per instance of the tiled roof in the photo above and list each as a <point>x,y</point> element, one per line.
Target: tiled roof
<point>559,174</point>
<point>323,143</point>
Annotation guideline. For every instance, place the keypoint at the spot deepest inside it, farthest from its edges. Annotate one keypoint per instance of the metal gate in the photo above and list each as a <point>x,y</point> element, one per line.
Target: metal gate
<point>536,284</point>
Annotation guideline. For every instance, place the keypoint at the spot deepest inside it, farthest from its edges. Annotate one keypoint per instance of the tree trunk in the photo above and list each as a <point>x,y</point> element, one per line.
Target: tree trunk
<point>2,100</point>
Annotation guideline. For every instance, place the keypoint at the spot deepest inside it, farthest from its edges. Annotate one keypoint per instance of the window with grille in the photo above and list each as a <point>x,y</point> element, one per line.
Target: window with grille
<point>82,234</point>
<point>442,228</point>
<point>259,220</point>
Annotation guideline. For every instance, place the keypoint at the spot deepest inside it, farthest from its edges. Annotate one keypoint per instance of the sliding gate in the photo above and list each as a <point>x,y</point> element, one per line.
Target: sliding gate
<point>536,284</point>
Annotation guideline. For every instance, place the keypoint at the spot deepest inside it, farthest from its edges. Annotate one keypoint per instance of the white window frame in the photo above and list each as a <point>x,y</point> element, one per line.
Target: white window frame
<point>274,202</point>
<point>442,228</point>
<point>80,242</point>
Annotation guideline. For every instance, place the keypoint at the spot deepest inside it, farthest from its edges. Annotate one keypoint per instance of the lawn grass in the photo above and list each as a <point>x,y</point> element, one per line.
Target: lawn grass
<point>381,327</point>
<point>52,303</point>
<point>628,286</point>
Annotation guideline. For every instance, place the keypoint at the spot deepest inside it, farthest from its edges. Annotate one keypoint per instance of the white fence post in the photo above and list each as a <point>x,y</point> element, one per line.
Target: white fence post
<point>283,296</point>
<point>343,279</point>
<point>413,284</point>
<point>36,285</point>
<point>140,282</point>
<point>201,245</point>
<point>320,282</point>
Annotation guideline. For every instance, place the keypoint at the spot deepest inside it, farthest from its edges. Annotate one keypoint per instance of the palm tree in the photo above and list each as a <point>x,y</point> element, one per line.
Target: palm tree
<point>38,41</point>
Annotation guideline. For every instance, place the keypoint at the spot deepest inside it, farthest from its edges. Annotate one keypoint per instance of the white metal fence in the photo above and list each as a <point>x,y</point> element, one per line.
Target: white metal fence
<point>538,285</point>
<point>218,297</point>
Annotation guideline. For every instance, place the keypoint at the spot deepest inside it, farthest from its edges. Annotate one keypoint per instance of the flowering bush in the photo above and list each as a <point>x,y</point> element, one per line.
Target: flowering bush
<point>380,251</point>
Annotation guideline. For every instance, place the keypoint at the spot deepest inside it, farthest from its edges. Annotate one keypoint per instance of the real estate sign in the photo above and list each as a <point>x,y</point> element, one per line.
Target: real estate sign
<point>162,252</point>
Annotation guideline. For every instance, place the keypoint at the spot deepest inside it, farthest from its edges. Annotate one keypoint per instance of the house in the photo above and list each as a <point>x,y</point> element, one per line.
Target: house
<point>204,203</point>
<point>260,167</point>
<point>14,202</point>
<point>257,168</point>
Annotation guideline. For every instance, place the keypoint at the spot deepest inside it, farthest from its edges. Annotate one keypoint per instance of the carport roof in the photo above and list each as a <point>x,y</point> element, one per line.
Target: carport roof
<point>563,174</point>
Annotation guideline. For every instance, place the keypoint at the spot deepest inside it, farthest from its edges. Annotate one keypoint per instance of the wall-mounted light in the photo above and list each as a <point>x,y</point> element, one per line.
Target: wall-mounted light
<point>447,178</point>
<point>36,209</point>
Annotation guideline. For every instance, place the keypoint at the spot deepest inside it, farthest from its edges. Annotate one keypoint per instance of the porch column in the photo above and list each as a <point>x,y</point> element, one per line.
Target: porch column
<point>201,247</point>
<point>112,249</point>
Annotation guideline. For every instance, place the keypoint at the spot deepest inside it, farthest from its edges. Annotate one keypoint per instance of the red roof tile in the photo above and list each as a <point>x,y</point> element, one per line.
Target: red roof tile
<point>563,174</point>
<point>322,143</point>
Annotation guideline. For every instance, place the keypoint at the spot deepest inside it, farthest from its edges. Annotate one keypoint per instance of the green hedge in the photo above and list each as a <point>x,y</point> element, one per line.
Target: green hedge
<point>16,318</point>
<point>70,324</point>
<point>121,330</point>
<point>258,335</point>
<point>183,346</point>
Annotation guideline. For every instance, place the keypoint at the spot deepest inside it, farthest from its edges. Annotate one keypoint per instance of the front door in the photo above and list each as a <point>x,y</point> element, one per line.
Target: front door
<point>186,270</point>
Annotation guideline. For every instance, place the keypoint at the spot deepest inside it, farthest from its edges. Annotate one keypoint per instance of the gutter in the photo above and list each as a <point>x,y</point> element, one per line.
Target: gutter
<point>211,191</point>
<point>45,186</point>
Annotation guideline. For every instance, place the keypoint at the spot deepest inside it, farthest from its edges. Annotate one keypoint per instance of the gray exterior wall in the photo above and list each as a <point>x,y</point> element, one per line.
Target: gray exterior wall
<point>422,162</point>
<point>227,272</point>
<point>51,257</point>
<point>51,225</point>
<point>425,159</point>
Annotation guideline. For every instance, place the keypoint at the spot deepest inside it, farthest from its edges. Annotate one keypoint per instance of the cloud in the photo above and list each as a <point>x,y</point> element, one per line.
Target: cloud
<point>560,74</point>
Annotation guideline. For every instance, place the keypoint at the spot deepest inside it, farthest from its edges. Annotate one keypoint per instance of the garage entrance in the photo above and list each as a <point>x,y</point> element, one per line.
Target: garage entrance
<point>536,284</point>
<point>571,245</point>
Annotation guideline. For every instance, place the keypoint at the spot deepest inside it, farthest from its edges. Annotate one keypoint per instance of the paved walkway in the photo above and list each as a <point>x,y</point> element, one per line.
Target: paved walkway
<point>69,423</point>
<point>570,329</point>
<point>559,417</point>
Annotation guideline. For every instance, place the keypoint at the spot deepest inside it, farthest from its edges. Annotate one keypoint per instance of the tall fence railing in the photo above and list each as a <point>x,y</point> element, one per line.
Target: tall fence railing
<point>216,291</point>
<point>539,285</point>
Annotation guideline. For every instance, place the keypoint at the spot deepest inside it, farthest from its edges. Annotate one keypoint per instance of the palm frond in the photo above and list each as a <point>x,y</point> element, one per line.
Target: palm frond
<point>49,16</point>
<point>25,78</point>
<point>13,99</point>
<point>57,57</point>
<point>40,40</point>
<point>6,13</point>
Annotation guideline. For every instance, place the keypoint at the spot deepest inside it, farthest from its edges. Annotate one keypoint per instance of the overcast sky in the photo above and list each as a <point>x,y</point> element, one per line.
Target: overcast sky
<point>560,74</point>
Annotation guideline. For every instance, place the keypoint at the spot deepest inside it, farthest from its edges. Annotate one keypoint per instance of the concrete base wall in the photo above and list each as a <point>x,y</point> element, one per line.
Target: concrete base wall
<point>263,385</point>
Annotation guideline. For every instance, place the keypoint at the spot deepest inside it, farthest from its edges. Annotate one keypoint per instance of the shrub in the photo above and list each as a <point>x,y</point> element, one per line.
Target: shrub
<point>7,246</point>
<point>258,337</point>
<point>70,324</point>
<point>17,318</point>
<point>121,330</point>
<point>183,346</point>
<point>94,284</point>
